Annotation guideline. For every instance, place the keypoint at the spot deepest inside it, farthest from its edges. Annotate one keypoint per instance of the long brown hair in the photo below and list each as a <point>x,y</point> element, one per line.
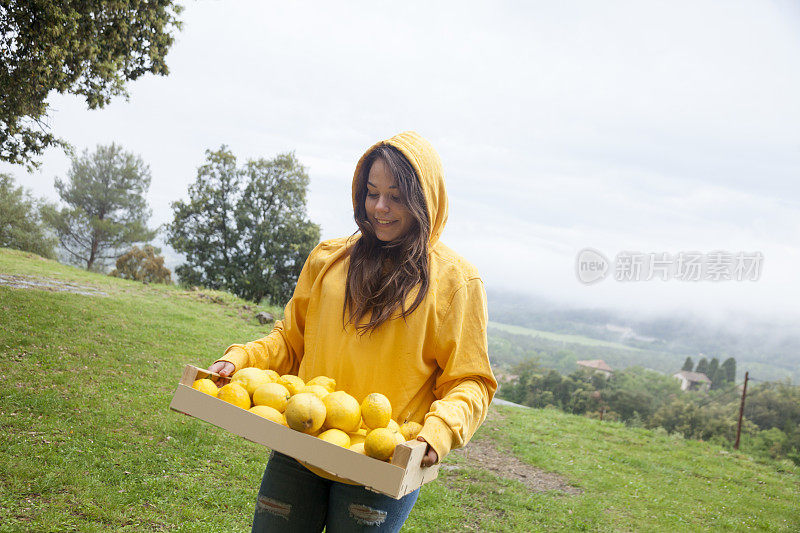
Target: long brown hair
<point>383,274</point>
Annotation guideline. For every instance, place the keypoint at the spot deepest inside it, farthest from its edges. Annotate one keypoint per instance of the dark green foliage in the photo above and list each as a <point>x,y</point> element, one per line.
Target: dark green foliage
<point>702,367</point>
<point>87,48</point>
<point>142,264</point>
<point>713,367</point>
<point>642,397</point>
<point>21,224</point>
<point>244,229</point>
<point>688,365</point>
<point>728,370</point>
<point>106,207</point>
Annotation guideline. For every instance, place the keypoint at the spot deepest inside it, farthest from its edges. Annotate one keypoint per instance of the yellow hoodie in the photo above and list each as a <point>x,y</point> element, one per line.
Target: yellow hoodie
<point>433,367</point>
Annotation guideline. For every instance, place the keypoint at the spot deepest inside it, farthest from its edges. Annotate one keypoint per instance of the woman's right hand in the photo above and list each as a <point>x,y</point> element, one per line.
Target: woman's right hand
<point>223,368</point>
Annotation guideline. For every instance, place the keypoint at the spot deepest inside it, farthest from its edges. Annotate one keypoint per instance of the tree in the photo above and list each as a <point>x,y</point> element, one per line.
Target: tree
<point>21,223</point>
<point>142,264</point>
<point>728,370</point>
<point>688,365</point>
<point>713,368</point>
<point>107,210</point>
<point>87,48</point>
<point>245,229</point>
<point>702,366</point>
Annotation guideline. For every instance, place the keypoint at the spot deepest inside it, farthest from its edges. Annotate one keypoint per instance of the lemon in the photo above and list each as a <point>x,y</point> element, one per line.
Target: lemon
<point>269,413</point>
<point>324,381</point>
<point>410,430</point>
<point>376,410</point>
<point>380,443</point>
<point>251,378</point>
<point>358,447</point>
<point>273,376</point>
<point>336,436</point>
<point>355,438</point>
<point>305,412</point>
<point>343,411</point>
<point>236,394</point>
<point>206,385</point>
<point>293,383</point>
<point>319,390</point>
<point>394,426</point>
<point>273,395</point>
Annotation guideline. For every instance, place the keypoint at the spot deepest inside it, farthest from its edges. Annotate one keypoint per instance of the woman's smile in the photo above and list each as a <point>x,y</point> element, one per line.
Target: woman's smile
<point>385,208</point>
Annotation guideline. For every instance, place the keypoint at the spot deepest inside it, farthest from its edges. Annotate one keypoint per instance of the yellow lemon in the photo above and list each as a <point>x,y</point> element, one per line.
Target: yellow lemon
<point>358,447</point>
<point>376,410</point>
<point>273,395</point>
<point>380,443</point>
<point>324,381</point>
<point>336,436</point>
<point>355,438</point>
<point>250,378</point>
<point>293,383</point>
<point>319,390</point>
<point>206,385</point>
<point>399,438</point>
<point>269,413</point>
<point>236,394</point>
<point>343,411</point>
<point>394,426</point>
<point>410,430</point>
<point>273,376</point>
<point>305,412</point>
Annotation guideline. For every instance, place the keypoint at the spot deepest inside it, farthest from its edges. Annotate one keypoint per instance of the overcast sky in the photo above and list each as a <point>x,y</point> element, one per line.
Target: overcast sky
<point>621,126</point>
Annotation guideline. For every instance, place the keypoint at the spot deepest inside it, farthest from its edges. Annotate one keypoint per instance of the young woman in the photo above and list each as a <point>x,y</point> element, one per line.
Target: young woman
<point>390,309</point>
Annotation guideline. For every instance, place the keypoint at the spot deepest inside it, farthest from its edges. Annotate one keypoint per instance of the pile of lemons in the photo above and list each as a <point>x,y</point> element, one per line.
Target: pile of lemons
<point>316,408</point>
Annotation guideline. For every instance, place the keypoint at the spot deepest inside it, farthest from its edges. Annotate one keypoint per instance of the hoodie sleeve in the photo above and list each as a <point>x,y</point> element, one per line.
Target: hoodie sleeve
<point>466,385</point>
<point>283,348</point>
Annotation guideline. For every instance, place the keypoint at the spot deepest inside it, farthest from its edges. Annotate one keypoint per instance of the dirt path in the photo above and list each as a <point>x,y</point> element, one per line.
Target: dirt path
<point>484,454</point>
<point>47,284</point>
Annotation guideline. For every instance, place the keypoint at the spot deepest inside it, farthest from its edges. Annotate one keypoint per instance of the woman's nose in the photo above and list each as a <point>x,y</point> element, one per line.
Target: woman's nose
<point>383,204</point>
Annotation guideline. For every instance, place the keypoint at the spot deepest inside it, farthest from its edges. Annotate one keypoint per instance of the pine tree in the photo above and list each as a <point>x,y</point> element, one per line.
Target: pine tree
<point>702,366</point>
<point>728,370</point>
<point>688,365</point>
<point>106,207</point>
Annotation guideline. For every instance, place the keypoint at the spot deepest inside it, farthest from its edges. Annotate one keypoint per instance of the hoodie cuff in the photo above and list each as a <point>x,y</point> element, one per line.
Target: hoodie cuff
<point>438,435</point>
<point>235,355</point>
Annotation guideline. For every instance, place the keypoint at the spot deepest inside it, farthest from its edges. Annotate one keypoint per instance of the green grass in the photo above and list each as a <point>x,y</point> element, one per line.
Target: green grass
<point>89,444</point>
<point>561,337</point>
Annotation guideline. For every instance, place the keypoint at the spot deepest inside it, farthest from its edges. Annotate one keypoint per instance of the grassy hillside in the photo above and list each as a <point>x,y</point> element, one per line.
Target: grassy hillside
<point>88,442</point>
<point>561,337</point>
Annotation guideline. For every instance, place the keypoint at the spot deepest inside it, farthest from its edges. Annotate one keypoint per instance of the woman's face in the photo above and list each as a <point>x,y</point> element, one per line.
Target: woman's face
<point>385,210</point>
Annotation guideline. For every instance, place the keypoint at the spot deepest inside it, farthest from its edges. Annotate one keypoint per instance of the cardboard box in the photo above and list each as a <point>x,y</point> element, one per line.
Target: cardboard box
<point>395,479</point>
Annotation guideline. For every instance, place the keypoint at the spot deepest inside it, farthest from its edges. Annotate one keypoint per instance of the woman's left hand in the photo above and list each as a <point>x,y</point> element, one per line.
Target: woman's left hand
<point>430,457</point>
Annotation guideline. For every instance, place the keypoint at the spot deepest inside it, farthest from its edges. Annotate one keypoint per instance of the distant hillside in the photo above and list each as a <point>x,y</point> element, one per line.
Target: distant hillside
<point>88,442</point>
<point>769,351</point>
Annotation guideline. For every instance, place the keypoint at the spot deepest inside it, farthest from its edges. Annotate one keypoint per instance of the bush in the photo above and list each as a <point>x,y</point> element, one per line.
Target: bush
<point>142,265</point>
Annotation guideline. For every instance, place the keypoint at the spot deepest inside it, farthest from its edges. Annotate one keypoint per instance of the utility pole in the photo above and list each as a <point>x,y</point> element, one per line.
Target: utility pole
<point>741,413</point>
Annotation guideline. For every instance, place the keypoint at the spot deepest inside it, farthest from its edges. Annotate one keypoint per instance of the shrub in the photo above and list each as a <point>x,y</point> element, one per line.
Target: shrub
<point>142,264</point>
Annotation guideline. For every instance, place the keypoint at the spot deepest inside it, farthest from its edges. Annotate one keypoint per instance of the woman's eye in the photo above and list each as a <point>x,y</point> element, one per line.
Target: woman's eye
<point>371,195</point>
<point>396,199</point>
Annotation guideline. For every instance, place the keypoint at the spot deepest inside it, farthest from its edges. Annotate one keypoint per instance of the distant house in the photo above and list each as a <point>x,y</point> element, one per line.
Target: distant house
<point>693,380</point>
<point>597,365</point>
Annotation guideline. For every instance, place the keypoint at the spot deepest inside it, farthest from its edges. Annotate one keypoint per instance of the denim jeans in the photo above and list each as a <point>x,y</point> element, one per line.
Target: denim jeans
<point>292,498</point>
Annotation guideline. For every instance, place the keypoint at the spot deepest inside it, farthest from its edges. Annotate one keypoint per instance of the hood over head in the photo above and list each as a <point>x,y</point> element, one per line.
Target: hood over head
<point>428,168</point>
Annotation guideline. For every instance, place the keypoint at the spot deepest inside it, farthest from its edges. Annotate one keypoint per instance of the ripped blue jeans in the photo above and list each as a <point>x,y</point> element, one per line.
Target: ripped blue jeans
<point>292,498</point>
